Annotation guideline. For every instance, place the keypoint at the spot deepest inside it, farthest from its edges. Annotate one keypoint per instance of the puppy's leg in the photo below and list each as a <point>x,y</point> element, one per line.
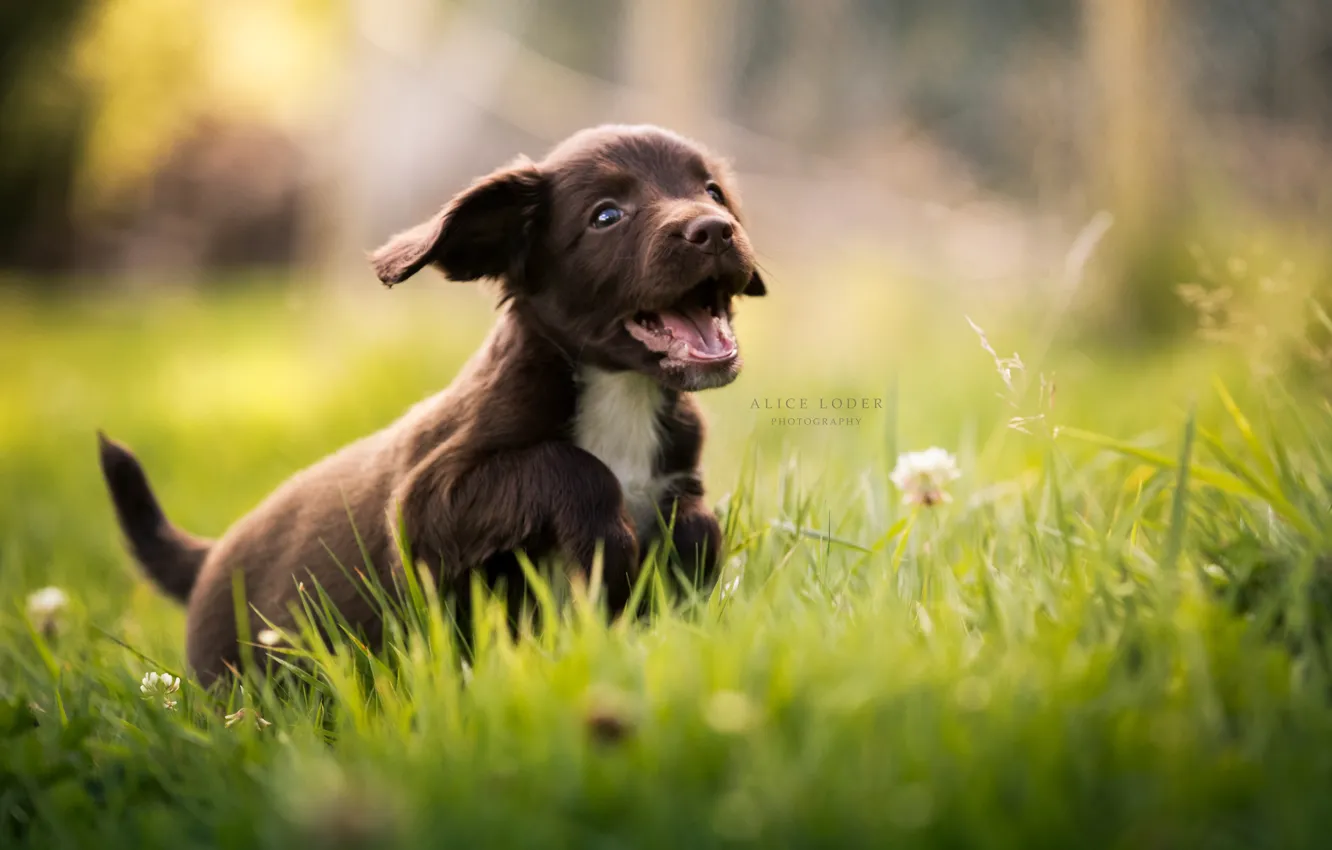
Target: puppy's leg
<point>696,538</point>
<point>460,510</point>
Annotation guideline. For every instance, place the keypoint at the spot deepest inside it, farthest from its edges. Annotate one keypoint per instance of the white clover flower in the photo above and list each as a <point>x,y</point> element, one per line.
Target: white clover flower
<point>160,686</point>
<point>46,602</point>
<point>922,476</point>
<point>45,607</point>
<point>269,637</point>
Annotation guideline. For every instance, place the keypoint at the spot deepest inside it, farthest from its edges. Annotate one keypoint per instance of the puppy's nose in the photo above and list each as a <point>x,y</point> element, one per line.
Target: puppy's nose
<point>709,233</point>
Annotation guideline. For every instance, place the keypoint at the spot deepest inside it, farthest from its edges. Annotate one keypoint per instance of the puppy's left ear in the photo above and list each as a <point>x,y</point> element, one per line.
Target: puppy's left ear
<point>755,287</point>
<point>485,231</point>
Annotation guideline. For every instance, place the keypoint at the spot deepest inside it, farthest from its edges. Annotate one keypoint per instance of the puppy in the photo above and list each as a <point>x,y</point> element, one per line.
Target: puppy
<point>618,258</point>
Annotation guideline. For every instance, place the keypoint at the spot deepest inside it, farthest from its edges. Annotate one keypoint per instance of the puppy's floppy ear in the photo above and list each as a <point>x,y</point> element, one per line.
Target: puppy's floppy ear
<point>485,231</point>
<point>755,287</point>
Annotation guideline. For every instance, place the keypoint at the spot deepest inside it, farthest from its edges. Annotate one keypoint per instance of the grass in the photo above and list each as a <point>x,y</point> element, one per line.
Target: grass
<point>1113,636</point>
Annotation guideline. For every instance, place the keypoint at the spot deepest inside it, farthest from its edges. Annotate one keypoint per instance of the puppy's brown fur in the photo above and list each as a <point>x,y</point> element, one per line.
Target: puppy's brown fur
<point>618,257</point>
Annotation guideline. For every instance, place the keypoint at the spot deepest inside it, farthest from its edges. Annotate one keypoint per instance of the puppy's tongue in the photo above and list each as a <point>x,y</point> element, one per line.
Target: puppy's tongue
<point>708,336</point>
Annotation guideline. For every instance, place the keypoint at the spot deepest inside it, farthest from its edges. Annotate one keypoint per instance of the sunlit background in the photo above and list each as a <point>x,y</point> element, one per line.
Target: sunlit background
<point>160,142</point>
<point>1119,191</point>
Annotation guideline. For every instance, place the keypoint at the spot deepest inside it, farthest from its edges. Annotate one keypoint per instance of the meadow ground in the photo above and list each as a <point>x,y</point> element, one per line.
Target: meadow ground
<point>1092,644</point>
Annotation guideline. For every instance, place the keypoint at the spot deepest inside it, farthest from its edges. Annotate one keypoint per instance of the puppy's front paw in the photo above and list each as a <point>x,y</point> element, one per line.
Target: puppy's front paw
<point>619,558</point>
<point>697,541</point>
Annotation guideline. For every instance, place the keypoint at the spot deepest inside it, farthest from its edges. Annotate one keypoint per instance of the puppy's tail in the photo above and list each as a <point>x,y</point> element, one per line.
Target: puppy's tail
<point>171,557</point>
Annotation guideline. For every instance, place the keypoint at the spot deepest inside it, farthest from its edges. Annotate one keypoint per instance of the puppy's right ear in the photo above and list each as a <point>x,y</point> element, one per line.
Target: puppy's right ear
<point>485,231</point>
<point>755,287</point>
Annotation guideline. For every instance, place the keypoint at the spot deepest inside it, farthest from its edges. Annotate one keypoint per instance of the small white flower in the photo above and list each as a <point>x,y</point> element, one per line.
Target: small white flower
<point>269,637</point>
<point>922,476</point>
<point>729,588</point>
<point>242,713</point>
<point>44,609</point>
<point>46,603</point>
<point>160,686</point>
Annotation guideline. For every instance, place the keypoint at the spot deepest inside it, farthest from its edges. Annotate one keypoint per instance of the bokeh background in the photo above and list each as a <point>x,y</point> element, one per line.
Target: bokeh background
<point>1124,192</point>
<point>164,142</point>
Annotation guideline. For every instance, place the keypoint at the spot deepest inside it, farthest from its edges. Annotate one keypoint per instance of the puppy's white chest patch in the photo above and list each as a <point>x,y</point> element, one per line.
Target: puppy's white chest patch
<point>617,421</point>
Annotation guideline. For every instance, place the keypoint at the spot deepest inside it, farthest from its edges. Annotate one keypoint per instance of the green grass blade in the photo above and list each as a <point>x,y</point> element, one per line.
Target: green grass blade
<point>1179,505</point>
<point>1205,475</point>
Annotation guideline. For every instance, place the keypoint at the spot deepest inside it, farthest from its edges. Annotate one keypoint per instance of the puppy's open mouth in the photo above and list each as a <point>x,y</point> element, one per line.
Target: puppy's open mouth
<point>694,330</point>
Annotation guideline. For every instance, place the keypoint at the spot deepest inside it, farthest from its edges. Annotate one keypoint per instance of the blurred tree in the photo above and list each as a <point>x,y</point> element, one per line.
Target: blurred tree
<point>158,68</point>
<point>1135,165</point>
<point>138,129</point>
<point>677,53</point>
<point>143,63</point>
<point>578,34</point>
<point>41,116</point>
<point>807,98</point>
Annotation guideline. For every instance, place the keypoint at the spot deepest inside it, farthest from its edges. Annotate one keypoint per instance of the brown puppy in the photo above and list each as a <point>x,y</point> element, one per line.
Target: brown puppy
<point>618,257</point>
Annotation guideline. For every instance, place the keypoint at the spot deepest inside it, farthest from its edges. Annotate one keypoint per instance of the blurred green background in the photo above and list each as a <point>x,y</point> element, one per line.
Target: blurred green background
<point>168,143</point>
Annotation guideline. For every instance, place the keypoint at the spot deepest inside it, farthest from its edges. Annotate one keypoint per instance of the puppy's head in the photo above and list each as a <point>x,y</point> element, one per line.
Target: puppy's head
<point>624,246</point>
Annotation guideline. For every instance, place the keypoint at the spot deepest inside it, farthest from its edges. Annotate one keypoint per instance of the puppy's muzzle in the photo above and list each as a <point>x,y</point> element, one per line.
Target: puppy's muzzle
<point>710,234</point>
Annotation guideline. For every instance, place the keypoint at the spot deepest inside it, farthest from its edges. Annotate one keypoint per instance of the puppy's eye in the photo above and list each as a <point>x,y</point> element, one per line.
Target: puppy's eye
<point>715,192</point>
<point>606,214</point>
